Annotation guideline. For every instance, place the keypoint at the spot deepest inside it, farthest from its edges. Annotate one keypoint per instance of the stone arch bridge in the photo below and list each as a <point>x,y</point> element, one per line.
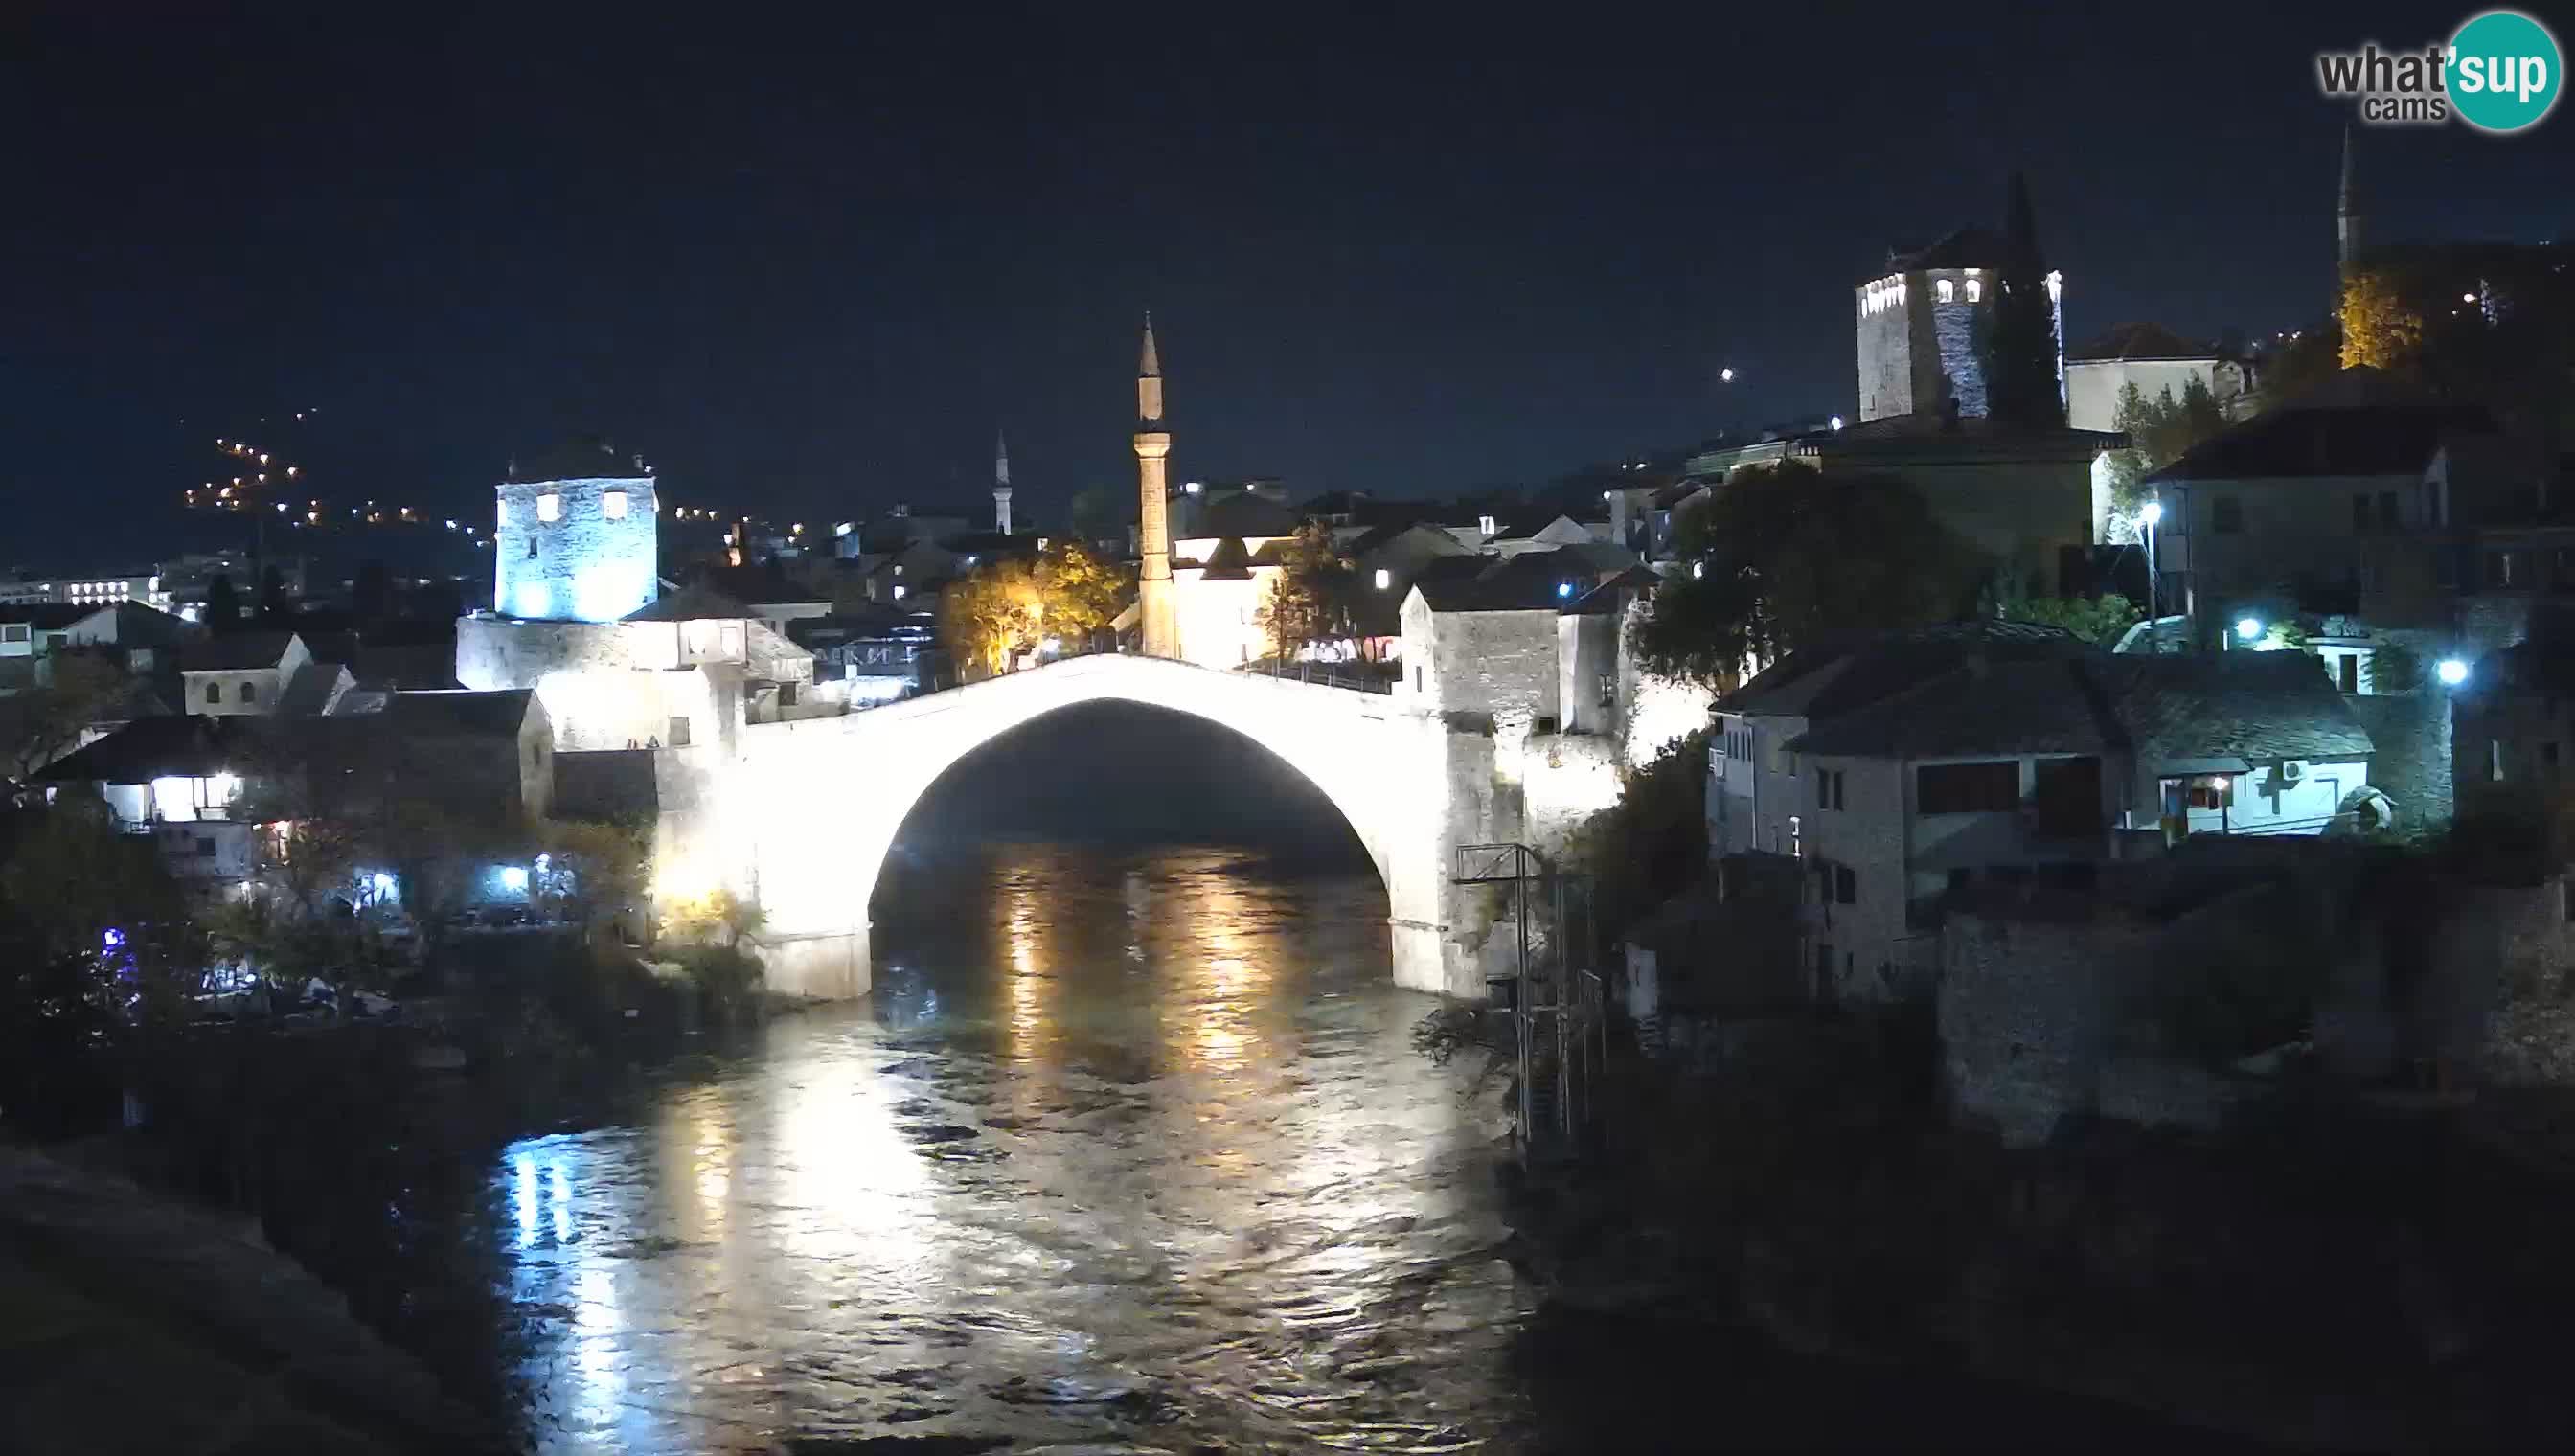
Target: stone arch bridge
<point>799,818</point>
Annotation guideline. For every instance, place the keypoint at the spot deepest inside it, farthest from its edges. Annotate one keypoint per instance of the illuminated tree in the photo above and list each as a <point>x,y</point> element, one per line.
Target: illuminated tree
<point>1003,608</point>
<point>2160,431</point>
<point>1311,597</point>
<point>1081,593</point>
<point>2379,329</point>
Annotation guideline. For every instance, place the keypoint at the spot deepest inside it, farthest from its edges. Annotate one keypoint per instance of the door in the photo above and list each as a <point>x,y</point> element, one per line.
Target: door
<point>2350,668</point>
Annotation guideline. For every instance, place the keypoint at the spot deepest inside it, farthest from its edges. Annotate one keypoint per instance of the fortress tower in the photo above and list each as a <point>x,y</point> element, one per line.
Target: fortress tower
<point>576,538</point>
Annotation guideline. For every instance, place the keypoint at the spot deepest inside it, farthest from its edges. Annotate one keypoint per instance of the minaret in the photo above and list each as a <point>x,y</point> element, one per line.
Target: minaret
<point>1001,485</point>
<point>1158,620</point>
<point>2347,212</point>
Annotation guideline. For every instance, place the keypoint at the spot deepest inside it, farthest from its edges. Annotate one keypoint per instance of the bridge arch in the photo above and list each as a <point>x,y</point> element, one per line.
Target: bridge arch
<point>804,814</point>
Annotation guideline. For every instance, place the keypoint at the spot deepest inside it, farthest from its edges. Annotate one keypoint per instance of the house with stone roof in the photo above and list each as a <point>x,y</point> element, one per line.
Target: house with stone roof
<point>1905,769</point>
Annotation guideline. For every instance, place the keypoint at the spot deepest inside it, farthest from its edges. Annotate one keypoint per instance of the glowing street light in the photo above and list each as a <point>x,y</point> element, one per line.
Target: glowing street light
<point>1726,375</point>
<point>2452,672</point>
<point>2248,627</point>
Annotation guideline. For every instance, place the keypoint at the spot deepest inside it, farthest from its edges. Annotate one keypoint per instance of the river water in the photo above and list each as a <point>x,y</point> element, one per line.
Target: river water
<point>1128,1152</point>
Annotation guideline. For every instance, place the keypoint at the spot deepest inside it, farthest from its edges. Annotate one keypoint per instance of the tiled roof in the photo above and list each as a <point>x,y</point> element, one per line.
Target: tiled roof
<point>309,690</point>
<point>690,604</point>
<point>2297,440</point>
<point>1848,670</point>
<point>496,713</point>
<point>186,746</point>
<point>2257,706</point>
<point>234,652</point>
<point>1533,580</point>
<point>2140,341</point>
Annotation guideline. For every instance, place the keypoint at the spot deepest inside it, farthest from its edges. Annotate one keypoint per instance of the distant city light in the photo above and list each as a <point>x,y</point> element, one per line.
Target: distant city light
<point>1726,375</point>
<point>1565,589</point>
<point>2452,672</point>
<point>2248,627</point>
<point>1838,422</point>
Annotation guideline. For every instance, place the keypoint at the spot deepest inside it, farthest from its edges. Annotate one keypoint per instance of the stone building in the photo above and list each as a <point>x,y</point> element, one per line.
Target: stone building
<point>1907,768</point>
<point>1918,320</point>
<point>577,539</point>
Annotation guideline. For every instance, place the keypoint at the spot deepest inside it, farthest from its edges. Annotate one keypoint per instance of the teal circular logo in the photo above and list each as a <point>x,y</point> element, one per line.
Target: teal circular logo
<point>2505,71</point>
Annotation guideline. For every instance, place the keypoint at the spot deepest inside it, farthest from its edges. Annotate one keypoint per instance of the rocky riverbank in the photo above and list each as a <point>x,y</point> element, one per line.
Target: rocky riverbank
<point>2334,1282</point>
<point>139,1324</point>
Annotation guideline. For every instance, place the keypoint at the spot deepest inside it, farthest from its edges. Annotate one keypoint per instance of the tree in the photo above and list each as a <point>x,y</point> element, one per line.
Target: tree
<point>2017,335</point>
<point>1080,594</point>
<point>86,892</point>
<point>272,597</point>
<point>1311,598</point>
<point>1004,608</point>
<point>1782,554</point>
<point>223,603</point>
<point>2379,329</point>
<point>41,724</point>
<point>2160,431</point>
<point>371,594</point>
<point>2101,620</point>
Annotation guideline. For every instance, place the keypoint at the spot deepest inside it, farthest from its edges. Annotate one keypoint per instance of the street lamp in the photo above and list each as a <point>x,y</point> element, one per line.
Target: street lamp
<point>2248,629</point>
<point>2452,672</point>
<point>2153,516</point>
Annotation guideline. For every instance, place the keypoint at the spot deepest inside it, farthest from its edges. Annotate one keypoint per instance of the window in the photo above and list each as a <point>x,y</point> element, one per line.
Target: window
<point>550,507</point>
<point>1975,290</point>
<point>2362,516</point>
<point>250,692</point>
<point>612,504</point>
<point>2495,760</point>
<point>1828,788</point>
<point>787,695</point>
<point>1416,681</point>
<point>1608,690</point>
<point>14,630</point>
<point>2349,664</point>
<point>2387,511</point>
<point>2212,792</point>
<point>2066,793</point>
<point>1384,579</point>
<point>214,693</point>
<point>1484,524</point>
<point>2225,515</point>
<point>679,731</point>
<point>531,548</point>
<point>1956,788</point>
<point>204,848</point>
<point>1846,885</point>
<point>1948,291</point>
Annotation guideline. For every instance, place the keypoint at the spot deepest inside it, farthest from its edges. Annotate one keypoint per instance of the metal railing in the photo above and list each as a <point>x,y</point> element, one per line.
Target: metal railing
<point>1556,1005</point>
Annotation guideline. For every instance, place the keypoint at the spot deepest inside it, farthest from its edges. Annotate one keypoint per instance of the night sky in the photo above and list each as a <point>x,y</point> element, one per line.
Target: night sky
<point>811,271</point>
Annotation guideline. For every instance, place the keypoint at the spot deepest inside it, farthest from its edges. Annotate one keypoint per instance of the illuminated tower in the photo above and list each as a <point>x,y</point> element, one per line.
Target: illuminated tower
<point>1001,485</point>
<point>2347,211</point>
<point>1158,620</point>
<point>576,537</point>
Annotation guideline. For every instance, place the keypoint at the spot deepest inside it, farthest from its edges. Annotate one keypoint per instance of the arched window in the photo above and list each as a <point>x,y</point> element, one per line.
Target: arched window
<point>1948,291</point>
<point>1975,290</point>
<point>214,693</point>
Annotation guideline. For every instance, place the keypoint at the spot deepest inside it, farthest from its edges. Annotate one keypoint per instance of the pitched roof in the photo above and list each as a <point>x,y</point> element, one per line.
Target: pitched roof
<point>1245,513</point>
<point>235,652</point>
<point>1846,671</point>
<point>310,691</point>
<point>767,582</point>
<point>2299,440</point>
<point>496,713</point>
<point>2257,706</point>
<point>2140,341</point>
<point>46,615</point>
<point>1533,580</point>
<point>579,460</point>
<point>2251,705</point>
<point>183,745</point>
<point>1614,593</point>
<point>690,604</point>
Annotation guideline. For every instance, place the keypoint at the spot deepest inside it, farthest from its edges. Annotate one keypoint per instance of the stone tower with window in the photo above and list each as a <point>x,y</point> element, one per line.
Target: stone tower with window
<point>1918,323</point>
<point>576,537</point>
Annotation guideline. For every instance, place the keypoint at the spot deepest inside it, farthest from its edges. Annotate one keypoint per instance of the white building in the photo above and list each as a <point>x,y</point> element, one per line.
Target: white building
<point>2156,361</point>
<point>1903,768</point>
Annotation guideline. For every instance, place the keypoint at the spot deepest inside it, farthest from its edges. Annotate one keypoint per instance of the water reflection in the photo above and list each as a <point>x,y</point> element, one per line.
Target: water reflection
<point>1123,1152</point>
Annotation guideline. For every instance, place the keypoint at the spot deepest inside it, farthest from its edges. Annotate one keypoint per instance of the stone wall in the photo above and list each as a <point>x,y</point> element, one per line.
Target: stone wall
<point>585,565</point>
<point>2410,760</point>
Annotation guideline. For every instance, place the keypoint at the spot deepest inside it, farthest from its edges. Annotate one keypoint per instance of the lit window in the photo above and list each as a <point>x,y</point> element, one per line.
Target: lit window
<point>550,507</point>
<point>1948,291</point>
<point>1485,522</point>
<point>1384,579</point>
<point>1975,290</point>
<point>612,504</point>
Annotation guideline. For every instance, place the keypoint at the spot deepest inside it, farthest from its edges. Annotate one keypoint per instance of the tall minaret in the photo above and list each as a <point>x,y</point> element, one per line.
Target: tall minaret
<point>1158,620</point>
<point>2347,211</point>
<point>1001,485</point>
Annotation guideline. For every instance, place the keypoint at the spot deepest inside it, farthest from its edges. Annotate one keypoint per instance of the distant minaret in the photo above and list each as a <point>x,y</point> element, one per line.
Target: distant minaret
<point>2347,214</point>
<point>1158,620</point>
<point>1001,485</point>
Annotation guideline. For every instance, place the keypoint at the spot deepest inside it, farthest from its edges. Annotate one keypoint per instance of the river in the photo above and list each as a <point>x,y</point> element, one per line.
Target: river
<point>1128,1152</point>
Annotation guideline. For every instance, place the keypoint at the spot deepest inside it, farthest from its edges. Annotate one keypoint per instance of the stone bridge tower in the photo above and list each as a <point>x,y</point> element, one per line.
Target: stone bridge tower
<point>1157,615</point>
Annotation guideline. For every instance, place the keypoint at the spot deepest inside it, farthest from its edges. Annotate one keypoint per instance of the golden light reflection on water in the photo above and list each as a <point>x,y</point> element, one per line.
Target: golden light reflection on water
<point>1226,975</point>
<point>1031,1030</point>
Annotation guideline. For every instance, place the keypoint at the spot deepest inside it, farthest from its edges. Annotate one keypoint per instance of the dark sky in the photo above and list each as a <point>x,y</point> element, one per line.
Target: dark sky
<point>809,270</point>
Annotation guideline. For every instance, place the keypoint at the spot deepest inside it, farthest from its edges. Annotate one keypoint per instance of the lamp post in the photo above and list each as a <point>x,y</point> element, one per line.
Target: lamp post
<point>2153,516</point>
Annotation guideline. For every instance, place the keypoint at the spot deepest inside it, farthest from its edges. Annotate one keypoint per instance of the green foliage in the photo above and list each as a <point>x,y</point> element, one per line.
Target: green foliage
<point>1653,844</point>
<point>2393,667</point>
<point>2160,431</point>
<point>1003,608</point>
<point>2016,334</point>
<point>2101,620</point>
<point>1311,598</point>
<point>727,975</point>
<point>717,917</point>
<point>1783,552</point>
<point>42,723</point>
